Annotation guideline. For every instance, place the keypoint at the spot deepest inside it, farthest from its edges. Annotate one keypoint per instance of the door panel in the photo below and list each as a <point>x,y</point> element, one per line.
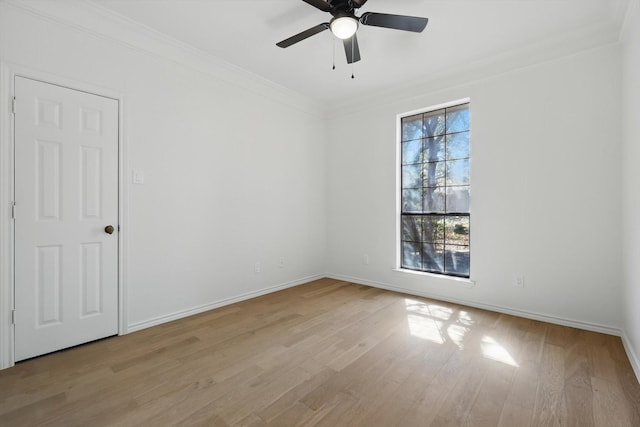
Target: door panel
<point>48,292</point>
<point>66,274</point>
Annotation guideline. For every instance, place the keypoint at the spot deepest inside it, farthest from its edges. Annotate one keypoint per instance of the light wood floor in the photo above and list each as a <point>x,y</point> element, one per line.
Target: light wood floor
<point>330,353</point>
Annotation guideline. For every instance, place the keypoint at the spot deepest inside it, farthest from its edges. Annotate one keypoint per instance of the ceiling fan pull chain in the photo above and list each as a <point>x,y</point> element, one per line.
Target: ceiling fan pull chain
<point>334,53</point>
<point>353,43</point>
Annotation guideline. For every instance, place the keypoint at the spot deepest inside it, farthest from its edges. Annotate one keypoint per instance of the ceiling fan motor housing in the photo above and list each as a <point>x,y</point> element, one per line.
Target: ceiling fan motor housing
<point>344,26</point>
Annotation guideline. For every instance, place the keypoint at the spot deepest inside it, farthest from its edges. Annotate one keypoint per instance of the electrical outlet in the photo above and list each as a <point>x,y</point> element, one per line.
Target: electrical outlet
<point>518,281</point>
<point>281,262</point>
<point>365,259</point>
<point>256,267</point>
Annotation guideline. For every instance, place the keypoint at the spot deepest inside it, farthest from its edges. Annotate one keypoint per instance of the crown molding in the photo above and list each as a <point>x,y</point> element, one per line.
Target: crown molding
<point>547,50</point>
<point>91,18</point>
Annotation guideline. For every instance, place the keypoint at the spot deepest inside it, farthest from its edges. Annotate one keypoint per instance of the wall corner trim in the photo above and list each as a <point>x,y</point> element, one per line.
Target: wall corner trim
<point>6,222</point>
<point>631,354</point>
<point>632,8</point>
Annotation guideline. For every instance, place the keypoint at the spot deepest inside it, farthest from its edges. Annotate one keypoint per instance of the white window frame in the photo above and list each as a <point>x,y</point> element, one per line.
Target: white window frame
<point>464,281</point>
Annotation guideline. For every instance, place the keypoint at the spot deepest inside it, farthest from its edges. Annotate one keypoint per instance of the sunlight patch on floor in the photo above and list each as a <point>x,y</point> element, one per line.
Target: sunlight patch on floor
<point>436,323</point>
<point>456,333</point>
<point>431,310</point>
<point>491,349</point>
<point>465,318</point>
<point>425,328</point>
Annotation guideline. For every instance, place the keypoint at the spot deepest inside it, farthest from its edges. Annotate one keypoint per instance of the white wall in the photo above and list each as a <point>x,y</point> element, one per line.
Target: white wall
<point>233,174</point>
<point>226,185</point>
<point>545,190</point>
<point>631,188</point>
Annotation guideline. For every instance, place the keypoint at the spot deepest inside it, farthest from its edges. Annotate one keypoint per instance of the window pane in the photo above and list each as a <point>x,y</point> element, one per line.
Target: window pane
<point>457,259</point>
<point>433,257</point>
<point>434,229</point>
<point>412,200</point>
<point>458,146</point>
<point>411,176</point>
<point>435,168</point>
<point>412,152</point>
<point>458,199</point>
<point>458,118</point>
<point>412,127</point>
<point>412,228</point>
<point>457,230</point>
<point>434,199</point>
<point>411,255</point>
<point>433,174</point>
<point>434,149</point>
<point>458,172</point>
<point>434,123</point>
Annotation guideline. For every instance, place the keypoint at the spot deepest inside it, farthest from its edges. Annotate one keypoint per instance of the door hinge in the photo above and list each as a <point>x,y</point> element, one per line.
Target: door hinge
<point>13,317</point>
<point>13,105</point>
<point>13,210</point>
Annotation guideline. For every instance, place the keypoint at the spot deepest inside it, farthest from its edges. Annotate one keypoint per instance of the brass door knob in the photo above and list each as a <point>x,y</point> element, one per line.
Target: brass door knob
<point>109,229</point>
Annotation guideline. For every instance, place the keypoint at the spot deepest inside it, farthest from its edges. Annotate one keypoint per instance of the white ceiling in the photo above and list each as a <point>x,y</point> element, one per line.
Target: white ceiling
<point>460,32</point>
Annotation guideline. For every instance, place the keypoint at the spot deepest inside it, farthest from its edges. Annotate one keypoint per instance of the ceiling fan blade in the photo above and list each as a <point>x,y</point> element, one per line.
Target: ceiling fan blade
<point>396,22</point>
<point>320,4</point>
<point>303,35</point>
<point>358,3</point>
<point>352,49</point>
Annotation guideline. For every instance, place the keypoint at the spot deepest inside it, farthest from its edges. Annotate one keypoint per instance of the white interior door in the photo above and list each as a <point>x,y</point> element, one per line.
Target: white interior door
<point>66,193</point>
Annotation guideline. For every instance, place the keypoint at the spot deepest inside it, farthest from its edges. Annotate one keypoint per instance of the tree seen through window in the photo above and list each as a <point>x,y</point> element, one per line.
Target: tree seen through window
<point>435,191</point>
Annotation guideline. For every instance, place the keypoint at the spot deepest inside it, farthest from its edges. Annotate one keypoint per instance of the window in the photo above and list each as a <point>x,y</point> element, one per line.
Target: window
<point>435,156</point>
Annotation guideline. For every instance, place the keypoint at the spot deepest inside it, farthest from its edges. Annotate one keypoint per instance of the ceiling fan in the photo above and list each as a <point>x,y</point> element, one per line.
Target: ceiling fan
<point>344,24</point>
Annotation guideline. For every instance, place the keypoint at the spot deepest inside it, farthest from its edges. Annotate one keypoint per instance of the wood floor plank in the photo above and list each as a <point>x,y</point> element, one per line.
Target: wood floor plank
<point>602,365</point>
<point>291,398</point>
<point>296,415</point>
<point>456,409</point>
<point>492,396</point>
<point>515,415</point>
<point>187,404</point>
<point>35,410</point>
<point>577,385</point>
<point>525,385</point>
<point>332,353</point>
<point>550,406</point>
<point>609,405</point>
<point>630,389</point>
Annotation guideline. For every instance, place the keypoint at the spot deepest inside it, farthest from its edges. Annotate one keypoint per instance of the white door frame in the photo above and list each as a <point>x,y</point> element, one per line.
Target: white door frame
<point>8,72</point>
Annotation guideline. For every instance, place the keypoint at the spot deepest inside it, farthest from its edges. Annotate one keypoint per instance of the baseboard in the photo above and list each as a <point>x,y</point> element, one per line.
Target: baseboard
<point>631,354</point>
<point>216,304</point>
<point>500,309</point>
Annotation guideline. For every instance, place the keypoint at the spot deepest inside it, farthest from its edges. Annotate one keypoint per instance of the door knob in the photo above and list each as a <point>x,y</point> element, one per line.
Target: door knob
<point>109,229</point>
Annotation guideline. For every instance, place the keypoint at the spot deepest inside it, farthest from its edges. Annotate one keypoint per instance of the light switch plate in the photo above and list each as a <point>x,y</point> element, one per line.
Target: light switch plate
<point>138,177</point>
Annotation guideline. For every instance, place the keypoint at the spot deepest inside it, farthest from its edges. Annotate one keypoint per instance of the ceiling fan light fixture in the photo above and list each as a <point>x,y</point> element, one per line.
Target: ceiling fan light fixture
<point>344,27</point>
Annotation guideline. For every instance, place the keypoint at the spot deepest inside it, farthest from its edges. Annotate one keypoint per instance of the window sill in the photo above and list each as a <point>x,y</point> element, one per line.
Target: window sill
<point>459,281</point>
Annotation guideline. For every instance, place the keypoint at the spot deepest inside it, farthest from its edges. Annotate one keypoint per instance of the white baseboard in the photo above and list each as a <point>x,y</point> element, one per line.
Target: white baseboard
<point>500,309</point>
<point>216,304</point>
<point>631,354</point>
